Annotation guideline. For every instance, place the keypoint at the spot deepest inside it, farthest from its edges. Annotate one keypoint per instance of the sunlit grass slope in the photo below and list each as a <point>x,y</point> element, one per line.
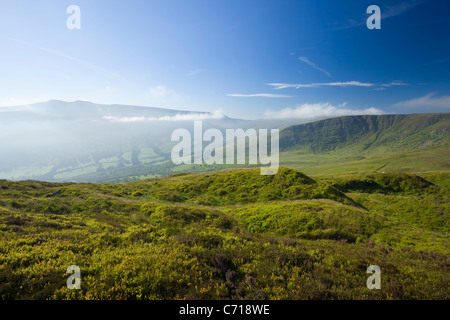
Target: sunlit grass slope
<point>233,234</point>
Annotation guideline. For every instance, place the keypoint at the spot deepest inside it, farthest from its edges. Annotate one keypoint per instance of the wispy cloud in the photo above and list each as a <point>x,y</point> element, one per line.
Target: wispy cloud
<point>384,86</point>
<point>426,101</point>
<point>178,117</point>
<point>327,84</point>
<point>307,61</point>
<point>387,11</point>
<point>439,61</point>
<point>399,8</point>
<point>260,95</point>
<point>318,110</point>
<point>195,72</point>
<point>393,84</point>
<point>95,68</point>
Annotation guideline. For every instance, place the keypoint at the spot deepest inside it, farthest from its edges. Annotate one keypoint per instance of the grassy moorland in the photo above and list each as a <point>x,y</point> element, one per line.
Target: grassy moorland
<point>344,161</point>
<point>232,234</point>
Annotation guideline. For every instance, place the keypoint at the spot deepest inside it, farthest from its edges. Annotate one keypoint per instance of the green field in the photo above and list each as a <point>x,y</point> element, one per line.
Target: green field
<point>231,234</point>
<point>337,162</point>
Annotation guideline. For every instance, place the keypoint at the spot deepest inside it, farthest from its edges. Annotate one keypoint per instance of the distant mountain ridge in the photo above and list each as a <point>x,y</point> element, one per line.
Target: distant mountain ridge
<point>67,141</point>
<point>391,132</point>
<point>85,109</point>
<point>81,141</point>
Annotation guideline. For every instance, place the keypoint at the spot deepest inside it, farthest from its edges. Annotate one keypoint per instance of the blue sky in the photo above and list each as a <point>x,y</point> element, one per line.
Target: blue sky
<point>248,58</point>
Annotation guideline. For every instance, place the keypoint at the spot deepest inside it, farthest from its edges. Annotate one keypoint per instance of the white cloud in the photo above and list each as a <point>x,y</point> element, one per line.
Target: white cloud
<point>178,117</point>
<point>262,95</point>
<point>426,101</point>
<point>307,61</point>
<point>318,110</point>
<point>124,119</point>
<point>327,84</point>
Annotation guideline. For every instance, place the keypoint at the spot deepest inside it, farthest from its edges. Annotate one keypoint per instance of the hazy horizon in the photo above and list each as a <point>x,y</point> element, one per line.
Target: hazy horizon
<point>250,59</point>
<point>300,120</point>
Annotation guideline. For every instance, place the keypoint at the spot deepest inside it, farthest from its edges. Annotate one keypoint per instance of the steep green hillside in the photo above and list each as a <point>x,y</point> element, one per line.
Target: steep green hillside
<point>233,234</point>
<point>366,134</point>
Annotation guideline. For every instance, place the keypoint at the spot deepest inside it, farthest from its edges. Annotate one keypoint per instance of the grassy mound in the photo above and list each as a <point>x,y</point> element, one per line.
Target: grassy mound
<point>384,183</point>
<point>309,220</point>
<point>238,187</point>
<point>203,236</point>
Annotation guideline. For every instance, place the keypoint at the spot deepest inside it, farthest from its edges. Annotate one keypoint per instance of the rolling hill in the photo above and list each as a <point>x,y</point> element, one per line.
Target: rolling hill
<point>407,143</point>
<point>202,236</point>
<point>369,133</point>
